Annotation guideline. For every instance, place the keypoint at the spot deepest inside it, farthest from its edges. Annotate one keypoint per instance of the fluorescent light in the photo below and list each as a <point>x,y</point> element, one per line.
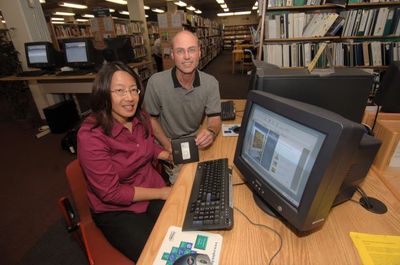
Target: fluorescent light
<point>88,15</point>
<point>220,1</point>
<point>234,13</point>
<point>82,20</point>
<point>191,8</point>
<point>225,14</point>
<point>224,6</point>
<point>198,11</point>
<point>254,7</point>
<point>71,5</point>
<point>64,13</point>
<point>180,3</point>
<point>112,10</point>
<point>57,22</point>
<point>3,21</point>
<point>226,9</point>
<point>256,3</point>
<point>124,12</point>
<point>121,2</point>
<point>146,15</point>
<point>57,19</point>
<point>242,13</point>
<point>157,10</point>
<point>42,1</point>
<point>146,7</point>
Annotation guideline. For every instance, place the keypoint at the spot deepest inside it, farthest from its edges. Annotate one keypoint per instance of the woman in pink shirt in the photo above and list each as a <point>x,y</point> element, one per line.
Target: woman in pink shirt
<point>116,151</point>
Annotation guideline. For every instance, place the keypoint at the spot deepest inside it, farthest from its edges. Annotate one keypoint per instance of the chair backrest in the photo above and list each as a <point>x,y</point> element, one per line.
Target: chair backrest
<point>76,181</point>
<point>99,251</point>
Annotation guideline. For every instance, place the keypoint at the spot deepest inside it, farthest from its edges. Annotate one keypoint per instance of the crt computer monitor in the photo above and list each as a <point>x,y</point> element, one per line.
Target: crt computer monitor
<point>80,53</point>
<point>295,157</point>
<point>345,91</point>
<point>388,94</point>
<point>42,55</point>
<point>118,49</point>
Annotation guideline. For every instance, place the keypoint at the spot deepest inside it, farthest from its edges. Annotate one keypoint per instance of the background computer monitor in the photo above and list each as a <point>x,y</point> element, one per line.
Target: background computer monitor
<point>295,157</point>
<point>344,92</point>
<point>42,55</point>
<point>118,49</point>
<point>388,94</point>
<point>80,53</point>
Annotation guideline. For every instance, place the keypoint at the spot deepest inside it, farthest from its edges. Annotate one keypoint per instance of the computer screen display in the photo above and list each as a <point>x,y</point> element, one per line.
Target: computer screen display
<point>41,54</point>
<point>281,151</point>
<point>76,52</point>
<point>295,157</point>
<point>37,53</point>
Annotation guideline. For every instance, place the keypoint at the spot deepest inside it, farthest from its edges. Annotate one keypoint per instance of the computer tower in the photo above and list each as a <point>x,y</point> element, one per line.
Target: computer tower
<point>62,116</point>
<point>361,163</point>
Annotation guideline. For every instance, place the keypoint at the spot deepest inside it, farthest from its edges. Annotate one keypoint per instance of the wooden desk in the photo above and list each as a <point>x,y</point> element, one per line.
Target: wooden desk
<point>40,86</point>
<point>248,244</point>
<point>234,53</point>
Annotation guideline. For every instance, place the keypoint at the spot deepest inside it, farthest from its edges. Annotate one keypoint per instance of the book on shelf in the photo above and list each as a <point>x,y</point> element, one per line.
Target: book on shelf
<point>380,21</point>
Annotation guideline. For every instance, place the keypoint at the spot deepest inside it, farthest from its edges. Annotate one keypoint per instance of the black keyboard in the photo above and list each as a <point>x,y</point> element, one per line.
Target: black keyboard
<point>228,110</point>
<point>210,205</point>
<point>74,72</point>
<point>33,73</point>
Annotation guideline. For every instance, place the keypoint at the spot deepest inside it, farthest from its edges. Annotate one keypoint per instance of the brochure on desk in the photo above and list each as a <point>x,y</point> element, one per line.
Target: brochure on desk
<point>177,243</point>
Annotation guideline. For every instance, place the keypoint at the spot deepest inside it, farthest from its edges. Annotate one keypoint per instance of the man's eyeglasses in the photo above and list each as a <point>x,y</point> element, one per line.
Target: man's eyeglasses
<point>123,91</point>
<point>190,50</point>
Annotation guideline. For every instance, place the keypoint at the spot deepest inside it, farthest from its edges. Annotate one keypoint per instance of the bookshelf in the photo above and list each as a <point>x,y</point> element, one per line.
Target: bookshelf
<point>234,34</point>
<point>364,35</point>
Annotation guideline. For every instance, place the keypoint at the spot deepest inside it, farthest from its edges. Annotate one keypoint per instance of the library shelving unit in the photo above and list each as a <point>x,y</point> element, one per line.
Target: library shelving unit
<point>153,31</point>
<point>364,35</point>
<point>68,30</point>
<point>233,34</point>
<point>208,32</point>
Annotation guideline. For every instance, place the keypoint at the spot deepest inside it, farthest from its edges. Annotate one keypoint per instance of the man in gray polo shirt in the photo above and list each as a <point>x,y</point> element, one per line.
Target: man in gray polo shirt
<point>179,98</point>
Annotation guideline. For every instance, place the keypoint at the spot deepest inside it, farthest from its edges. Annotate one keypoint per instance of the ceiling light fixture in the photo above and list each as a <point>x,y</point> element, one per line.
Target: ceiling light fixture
<point>234,13</point>
<point>254,7</point>
<point>224,6</point>
<point>220,2</point>
<point>180,3</point>
<point>81,20</point>
<point>57,22</point>
<point>121,2</point>
<point>191,8</point>
<point>226,9</point>
<point>57,19</point>
<point>88,15</point>
<point>225,14</point>
<point>198,11</point>
<point>124,12</point>
<point>71,5</point>
<point>146,16</point>
<point>42,1</point>
<point>112,10</point>
<point>146,7</point>
<point>157,10</point>
<point>64,13</point>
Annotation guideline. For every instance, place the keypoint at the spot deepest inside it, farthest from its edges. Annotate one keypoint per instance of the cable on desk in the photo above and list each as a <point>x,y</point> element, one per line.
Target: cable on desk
<point>266,227</point>
<point>238,184</point>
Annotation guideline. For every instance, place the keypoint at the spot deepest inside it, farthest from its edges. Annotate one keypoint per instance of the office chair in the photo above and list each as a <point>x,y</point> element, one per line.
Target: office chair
<point>247,60</point>
<point>79,222</point>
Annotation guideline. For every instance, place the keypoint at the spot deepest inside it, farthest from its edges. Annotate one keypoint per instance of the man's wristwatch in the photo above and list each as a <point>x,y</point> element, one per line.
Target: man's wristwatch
<point>212,131</point>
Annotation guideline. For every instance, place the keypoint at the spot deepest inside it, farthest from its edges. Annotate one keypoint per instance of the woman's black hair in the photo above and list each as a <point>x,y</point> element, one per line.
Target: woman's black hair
<point>100,100</point>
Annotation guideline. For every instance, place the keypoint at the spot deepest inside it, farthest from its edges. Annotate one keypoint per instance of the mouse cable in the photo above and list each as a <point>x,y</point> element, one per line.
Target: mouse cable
<point>364,195</point>
<point>266,227</point>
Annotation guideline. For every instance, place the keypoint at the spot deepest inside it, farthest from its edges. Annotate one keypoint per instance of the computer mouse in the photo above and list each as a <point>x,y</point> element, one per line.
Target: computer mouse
<point>193,259</point>
<point>236,129</point>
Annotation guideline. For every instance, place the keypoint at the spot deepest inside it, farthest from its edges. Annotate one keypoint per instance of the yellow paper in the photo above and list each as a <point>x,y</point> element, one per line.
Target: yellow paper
<point>377,249</point>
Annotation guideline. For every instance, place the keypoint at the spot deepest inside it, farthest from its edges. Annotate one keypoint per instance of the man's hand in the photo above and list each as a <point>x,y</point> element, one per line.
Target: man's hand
<point>204,138</point>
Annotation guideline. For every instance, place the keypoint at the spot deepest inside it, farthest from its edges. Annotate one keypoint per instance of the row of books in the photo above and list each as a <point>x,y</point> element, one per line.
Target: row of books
<point>139,51</point>
<point>343,54</point>
<point>207,32</point>
<point>128,28</point>
<point>70,31</point>
<point>137,40</point>
<point>285,3</point>
<point>300,24</point>
<point>371,22</point>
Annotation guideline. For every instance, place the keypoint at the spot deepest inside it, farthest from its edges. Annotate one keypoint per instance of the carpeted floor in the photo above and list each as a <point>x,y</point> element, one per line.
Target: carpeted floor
<point>32,181</point>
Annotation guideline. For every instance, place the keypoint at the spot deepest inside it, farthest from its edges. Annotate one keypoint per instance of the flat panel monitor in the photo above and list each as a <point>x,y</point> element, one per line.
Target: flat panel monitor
<point>41,55</point>
<point>80,53</point>
<point>118,49</point>
<point>345,91</point>
<point>295,157</point>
